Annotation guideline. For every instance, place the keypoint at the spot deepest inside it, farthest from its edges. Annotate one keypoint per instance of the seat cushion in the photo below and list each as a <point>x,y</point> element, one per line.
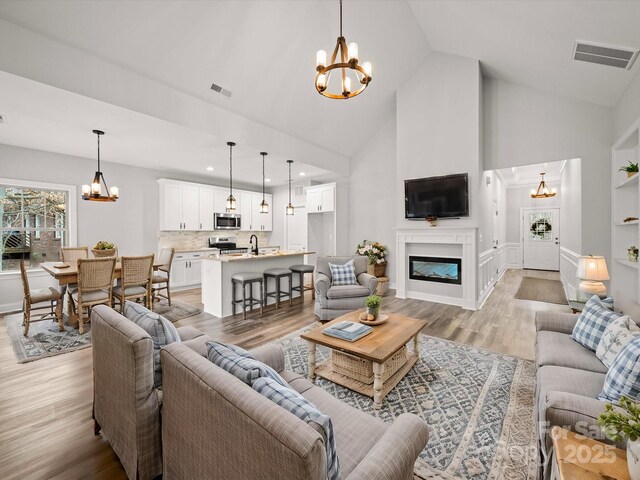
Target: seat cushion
<point>293,402</point>
<point>189,333</point>
<point>132,290</point>
<point>560,350</point>
<point>277,271</point>
<point>95,296</point>
<point>617,334</point>
<point>623,377</point>
<point>302,268</point>
<point>246,276</point>
<point>593,321</point>
<point>159,279</point>
<point>343,274</point>
<point>44,295</point>
<point>347,291</point>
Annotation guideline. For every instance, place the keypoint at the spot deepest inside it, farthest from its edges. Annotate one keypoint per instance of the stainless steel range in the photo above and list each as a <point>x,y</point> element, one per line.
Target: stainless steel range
<point>226,245</point>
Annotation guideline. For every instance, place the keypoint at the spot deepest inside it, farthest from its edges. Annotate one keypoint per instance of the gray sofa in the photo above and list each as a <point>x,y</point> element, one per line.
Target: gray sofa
<point>333,301</point>
<point>569,379</point>
<point>216,426</point>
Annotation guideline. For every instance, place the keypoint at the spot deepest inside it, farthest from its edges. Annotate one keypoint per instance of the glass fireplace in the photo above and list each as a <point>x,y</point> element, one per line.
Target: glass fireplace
<point>436,269</point>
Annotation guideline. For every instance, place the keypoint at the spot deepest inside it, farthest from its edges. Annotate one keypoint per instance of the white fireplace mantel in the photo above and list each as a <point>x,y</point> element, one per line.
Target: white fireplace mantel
<point>464,236</point>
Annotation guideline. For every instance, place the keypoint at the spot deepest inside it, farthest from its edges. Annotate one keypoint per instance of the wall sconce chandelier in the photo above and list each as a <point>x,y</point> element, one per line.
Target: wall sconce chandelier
<point>93,192</point>
<point>264,206</point>
<point>348,60</point>
<point>231,201</point>
<point>543,191</point>
<point>290,208</point>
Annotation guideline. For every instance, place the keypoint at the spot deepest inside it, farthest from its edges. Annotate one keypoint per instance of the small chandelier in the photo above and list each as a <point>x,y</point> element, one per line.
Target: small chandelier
<point>264,206</point>
<point>290,208</point>
<point>231,201</point>
<point>94,192</point>
<point>348,60</point>
<point>543,191</point>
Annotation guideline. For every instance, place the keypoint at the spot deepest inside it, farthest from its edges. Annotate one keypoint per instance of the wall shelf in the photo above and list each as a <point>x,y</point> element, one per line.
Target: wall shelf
<point>628,263</point>
<point>632,222</point>
<point>629,181</point>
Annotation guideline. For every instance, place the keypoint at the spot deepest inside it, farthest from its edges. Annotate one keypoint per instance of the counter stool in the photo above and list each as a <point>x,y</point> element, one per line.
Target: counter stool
<point>301,270</point>
<point>244,279</point>
<point>277,274</point>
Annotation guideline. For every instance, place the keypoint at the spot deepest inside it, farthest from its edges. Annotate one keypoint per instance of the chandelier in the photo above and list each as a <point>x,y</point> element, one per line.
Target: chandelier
<point>290,208</point>
<point>543,191</point>
<point>264,206</point>
<point>347,60</point>
<point>231,201</point>
<point>94,192</point>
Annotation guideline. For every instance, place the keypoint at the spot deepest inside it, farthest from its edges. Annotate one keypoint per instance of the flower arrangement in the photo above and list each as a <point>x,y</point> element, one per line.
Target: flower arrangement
<point>372,302</point>
<point>374,251</point>
<point>632,253</point>
<point>617,424</point>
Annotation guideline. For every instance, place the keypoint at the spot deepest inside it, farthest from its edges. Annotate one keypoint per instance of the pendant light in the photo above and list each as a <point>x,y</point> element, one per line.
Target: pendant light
<point>94,191</point>
<point>231,201</point>
<point>543,191</point>
<point>346,62</point>
<point>264,206</point>
<point>290,206</point>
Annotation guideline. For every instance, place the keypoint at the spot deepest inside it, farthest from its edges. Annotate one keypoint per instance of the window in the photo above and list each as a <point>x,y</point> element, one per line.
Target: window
<point>34,223</point>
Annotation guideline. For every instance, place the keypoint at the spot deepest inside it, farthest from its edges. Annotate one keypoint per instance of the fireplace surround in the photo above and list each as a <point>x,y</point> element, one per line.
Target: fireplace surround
<point>436,269</point>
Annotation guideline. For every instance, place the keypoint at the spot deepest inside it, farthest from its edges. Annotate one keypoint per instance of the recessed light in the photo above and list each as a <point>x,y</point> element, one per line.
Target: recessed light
<point>210,169</point>
<point>302,174</point>
<point>267,179</point>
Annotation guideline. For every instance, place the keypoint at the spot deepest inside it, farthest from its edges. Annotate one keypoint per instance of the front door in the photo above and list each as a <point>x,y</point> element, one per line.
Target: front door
<point>541,238</point>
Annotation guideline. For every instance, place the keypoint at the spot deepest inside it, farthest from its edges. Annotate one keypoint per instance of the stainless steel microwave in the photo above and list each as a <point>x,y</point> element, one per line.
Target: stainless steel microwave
<point>226,221</point>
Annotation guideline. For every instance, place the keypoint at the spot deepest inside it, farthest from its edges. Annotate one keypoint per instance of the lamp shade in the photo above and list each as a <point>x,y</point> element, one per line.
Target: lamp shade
<point>592,268</point>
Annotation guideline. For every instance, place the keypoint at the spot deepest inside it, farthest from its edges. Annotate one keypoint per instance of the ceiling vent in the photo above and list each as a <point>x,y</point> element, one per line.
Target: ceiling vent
<point>604,55</point>
<point>220,90</point>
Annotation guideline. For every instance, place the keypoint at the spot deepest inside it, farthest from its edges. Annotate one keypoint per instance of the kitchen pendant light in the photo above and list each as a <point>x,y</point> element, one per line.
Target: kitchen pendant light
<point>94,191</point>
<point>231,201</point>
<point>543,191</point>
<point>264,206</point>
<point>290,208</point>
<point>347,61</point>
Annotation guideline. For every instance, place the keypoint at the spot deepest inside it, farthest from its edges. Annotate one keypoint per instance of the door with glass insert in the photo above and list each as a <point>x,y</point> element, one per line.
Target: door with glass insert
<point>541,238</point>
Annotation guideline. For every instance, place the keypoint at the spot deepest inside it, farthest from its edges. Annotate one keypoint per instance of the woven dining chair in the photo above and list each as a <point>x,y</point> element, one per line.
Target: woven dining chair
<point>135,280</point>
<point>34,297</point>
<point>72,255</point>
<point>95,285</point>
<point>162,276</point>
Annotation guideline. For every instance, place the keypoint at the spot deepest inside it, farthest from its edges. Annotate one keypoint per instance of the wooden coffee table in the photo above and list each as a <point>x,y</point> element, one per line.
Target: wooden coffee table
<point>378,347</point>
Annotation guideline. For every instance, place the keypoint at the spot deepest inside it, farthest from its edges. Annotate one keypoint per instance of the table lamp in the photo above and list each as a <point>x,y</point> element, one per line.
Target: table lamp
<point>592,271</point>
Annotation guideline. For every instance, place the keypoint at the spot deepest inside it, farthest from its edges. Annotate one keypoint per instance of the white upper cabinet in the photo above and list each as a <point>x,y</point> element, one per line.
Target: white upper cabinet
<point>190,207</point>
<point>220,200</point>
<point>170,206</point>
<point>320,198</point>
<point>245,211</point>
<point>206,201</point>
<point>261,221</point>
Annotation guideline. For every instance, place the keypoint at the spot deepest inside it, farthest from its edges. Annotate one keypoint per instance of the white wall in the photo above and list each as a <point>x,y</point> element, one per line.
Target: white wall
<point>627,110</point>
<point>570,224</point>
<point>280,201</point>
<point>372,194</point>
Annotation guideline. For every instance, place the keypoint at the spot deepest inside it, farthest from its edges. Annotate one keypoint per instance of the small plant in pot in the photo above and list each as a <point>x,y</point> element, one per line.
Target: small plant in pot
<point>376,257</point>
<point>631,169</point>
<point>624,423</point>
<point>104,249</point>
<point>632,253</point>
<point>372,302</point>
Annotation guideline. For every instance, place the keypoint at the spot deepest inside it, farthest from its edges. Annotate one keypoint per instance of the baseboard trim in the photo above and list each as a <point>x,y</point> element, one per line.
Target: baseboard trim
<point>429,297</point>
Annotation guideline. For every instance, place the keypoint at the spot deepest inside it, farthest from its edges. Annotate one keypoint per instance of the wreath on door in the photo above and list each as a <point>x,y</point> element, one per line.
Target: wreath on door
<point>540,227</point>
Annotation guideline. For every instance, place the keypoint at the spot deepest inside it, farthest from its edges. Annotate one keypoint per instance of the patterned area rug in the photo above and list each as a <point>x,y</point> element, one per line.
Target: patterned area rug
<point>44,340</point>
<point>478,405</point>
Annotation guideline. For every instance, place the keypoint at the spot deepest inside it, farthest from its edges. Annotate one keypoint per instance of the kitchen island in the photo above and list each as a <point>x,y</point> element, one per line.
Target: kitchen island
<point>217,272</point>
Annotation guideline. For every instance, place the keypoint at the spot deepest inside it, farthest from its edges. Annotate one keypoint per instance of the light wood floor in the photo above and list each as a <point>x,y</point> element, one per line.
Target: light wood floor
<point>46,431</point>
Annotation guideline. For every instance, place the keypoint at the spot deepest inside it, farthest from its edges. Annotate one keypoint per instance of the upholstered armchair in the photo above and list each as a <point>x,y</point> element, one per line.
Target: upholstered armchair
<point>333,300</point>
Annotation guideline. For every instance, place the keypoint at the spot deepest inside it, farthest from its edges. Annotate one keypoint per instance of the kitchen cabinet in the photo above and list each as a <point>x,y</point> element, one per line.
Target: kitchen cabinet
<point>206,202</point>
<point>245,211</point>
<point>252,219</point>
<point>220,200</point>
<point>320,199</point>
<point>179,206</point>
<point>186,269</point>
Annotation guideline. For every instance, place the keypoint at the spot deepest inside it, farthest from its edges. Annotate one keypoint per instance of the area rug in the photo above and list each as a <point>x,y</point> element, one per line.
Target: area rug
<point>541,290</point>
<point>478,405</point>
<point>177,311</point>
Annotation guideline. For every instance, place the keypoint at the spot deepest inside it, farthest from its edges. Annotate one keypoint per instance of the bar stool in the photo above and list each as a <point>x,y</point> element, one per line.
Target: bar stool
<point>244,279</point>
<point>277,274</point>
<point>301,270</point>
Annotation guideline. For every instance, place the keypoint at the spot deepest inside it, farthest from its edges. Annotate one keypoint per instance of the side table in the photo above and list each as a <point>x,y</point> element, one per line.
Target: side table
<point>576,306</point>
<point>581,458</point>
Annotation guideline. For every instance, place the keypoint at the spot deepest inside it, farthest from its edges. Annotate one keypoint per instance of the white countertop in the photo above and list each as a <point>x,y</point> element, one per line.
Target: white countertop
<point>210,249</point>
<point>249,256</point>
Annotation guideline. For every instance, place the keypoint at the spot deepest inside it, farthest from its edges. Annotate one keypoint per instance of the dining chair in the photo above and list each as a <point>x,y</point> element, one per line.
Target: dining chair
<point>71,255</point>
<point>95,285</point>
<point>34,297</point>
<point>162,276</point>
<point>135,280</point>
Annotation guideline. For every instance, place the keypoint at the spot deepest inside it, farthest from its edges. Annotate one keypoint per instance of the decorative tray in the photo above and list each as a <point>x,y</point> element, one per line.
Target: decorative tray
<point>382,318</point>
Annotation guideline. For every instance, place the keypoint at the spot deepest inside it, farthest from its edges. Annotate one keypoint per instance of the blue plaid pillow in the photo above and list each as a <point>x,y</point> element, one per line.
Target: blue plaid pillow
<point>343,274</point>
<point>241,365</point>
<point>592,323</point>
<point>623,377</point>
<point>295,403</point>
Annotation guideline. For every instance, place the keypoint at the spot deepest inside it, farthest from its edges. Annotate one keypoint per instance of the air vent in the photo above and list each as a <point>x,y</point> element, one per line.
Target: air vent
<point>220,90</point>
<point>604,55</point>
<point>299,191</point>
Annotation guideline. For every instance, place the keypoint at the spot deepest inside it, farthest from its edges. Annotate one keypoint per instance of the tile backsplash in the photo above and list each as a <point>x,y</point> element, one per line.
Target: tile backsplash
<point>196,240</point>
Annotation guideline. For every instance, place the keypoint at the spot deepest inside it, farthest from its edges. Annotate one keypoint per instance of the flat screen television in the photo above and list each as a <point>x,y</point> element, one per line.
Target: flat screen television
<point>442,197</point>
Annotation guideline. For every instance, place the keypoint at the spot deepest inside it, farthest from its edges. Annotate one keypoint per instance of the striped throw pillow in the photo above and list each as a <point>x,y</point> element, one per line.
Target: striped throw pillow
<point>623,377</point>
<point>241,365</point>
<point>295,403</point>
<point>161,330</point>
<point>343,274</point>
<point>592,323</point>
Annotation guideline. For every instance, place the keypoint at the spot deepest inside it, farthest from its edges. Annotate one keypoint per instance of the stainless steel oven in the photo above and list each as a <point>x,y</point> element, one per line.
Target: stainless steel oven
<point>226,221</point>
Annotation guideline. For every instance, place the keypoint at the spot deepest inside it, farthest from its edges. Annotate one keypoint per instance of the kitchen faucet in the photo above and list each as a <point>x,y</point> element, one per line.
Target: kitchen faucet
<point>254,249</point>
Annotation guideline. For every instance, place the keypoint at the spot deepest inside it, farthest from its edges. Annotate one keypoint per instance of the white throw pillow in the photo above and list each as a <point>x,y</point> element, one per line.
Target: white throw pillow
<point>618,333</point>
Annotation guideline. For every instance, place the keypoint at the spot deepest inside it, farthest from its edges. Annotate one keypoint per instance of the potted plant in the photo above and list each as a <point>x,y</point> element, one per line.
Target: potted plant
<point>632,253</point>
<point>104,249</point>
<point>621,423</point>
<point>375,253</point>
<point>372,303</point>
<point>631,169</point>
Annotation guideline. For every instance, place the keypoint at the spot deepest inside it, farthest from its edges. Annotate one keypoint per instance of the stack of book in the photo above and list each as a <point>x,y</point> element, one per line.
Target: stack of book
<point>349,331</point>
